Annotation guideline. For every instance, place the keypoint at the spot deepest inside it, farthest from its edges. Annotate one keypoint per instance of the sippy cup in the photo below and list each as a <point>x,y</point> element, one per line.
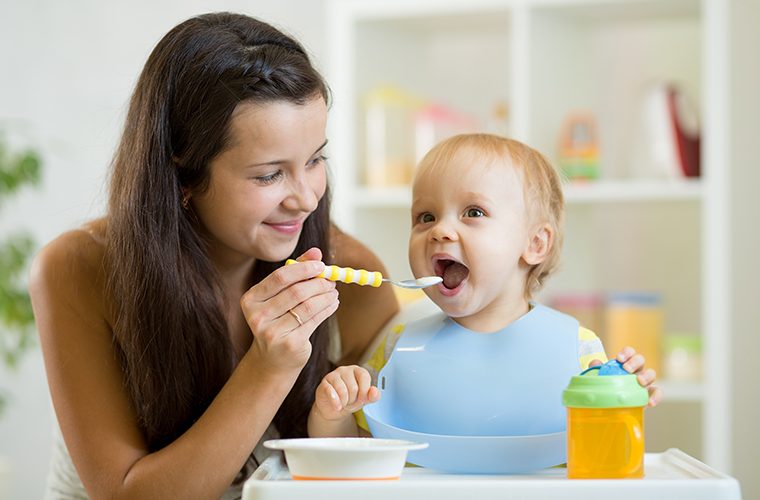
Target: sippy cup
<point>605,423</point>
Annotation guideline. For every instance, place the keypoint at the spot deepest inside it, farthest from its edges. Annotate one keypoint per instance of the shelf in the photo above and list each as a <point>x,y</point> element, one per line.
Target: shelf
<point>614,191</point>
<point>605,191</point>
<point>549,59</point>
<point>682,392</point>
<point>391,197</point>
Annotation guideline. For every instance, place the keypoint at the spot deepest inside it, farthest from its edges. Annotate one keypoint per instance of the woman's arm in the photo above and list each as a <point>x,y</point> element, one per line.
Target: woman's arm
<point>363,310</point>
<point>97,419</point>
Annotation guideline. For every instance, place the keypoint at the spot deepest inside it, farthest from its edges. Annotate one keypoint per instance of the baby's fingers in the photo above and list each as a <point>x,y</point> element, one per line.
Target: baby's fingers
<point>373,394</point>
<point>655,395</point>
<point>365,392</point>
<point>327,399</point>
<point>646,377</point>
<point>626,353</point>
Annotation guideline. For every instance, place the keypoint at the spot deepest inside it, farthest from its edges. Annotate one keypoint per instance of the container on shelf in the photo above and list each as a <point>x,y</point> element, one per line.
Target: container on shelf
<point>435,122</point>
<point>390,136</point>
<point>667,143</point>
<point>682,358</point>
<point>579,147</point>
<point>586,307</point>
<point>635,319</point>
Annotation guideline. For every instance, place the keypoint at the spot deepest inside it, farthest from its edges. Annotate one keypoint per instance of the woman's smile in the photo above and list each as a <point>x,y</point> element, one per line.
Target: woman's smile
<point>286,227</point>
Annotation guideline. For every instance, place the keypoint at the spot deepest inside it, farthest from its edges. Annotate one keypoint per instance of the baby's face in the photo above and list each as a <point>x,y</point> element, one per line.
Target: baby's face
<point>470,226</point>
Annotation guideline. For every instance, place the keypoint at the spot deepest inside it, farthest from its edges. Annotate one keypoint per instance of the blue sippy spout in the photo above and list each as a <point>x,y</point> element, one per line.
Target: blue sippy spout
<point>612,367</point>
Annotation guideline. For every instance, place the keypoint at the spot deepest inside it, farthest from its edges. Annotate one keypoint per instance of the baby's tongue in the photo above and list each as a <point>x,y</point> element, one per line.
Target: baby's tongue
<point>454,275</point>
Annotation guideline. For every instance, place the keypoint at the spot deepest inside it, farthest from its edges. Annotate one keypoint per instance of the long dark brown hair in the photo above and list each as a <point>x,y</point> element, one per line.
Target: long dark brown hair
<point>169,326</point>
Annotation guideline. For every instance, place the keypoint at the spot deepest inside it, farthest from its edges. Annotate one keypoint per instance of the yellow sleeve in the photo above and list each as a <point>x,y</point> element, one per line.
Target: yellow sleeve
<point>376,363</point>
<point>589,348</point>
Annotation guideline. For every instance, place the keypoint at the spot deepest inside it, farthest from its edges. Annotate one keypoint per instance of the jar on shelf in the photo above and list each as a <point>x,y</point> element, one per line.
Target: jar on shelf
<point>635,319</point>
<point>682,357</point>
<point>390,136</point>
<point>586,307</point>
<point>435,122</point>
<point>579,147</point>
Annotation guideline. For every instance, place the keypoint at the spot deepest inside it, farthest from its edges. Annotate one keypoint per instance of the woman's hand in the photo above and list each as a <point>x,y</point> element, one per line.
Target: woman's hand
<point>285,308</point>
<point>343,391</point>
<point>634,363</point>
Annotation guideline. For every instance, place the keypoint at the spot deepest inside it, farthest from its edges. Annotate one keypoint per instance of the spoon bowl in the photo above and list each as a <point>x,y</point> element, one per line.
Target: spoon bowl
<point>423,282</point>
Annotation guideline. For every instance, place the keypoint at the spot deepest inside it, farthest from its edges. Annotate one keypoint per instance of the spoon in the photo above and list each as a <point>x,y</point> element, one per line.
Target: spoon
<point>371,278</point>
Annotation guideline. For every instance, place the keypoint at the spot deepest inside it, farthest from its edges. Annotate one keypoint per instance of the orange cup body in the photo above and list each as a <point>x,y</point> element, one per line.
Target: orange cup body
<point>605,443</point>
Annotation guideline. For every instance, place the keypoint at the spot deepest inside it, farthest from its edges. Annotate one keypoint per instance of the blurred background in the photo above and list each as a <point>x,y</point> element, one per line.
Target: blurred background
<point>649,107</point>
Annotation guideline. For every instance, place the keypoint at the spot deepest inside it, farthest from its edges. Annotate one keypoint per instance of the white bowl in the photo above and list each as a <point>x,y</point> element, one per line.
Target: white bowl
<point>344,458</point>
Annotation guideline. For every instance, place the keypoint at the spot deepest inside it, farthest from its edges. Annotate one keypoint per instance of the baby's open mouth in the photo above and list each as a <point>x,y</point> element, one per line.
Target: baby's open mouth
<point>452,272</point>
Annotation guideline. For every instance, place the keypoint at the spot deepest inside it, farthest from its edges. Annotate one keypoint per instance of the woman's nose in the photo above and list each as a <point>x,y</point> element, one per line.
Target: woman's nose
<point>301,195</point>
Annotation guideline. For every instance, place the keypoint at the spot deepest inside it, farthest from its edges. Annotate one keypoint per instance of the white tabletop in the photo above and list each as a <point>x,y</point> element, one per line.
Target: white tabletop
<point>669,475</point>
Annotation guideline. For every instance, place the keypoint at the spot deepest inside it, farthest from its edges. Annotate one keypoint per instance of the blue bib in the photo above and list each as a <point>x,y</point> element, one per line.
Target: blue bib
<point>443,379</point>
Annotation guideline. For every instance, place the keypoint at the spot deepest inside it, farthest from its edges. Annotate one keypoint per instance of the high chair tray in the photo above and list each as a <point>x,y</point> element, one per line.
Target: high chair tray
<point>668,475</point>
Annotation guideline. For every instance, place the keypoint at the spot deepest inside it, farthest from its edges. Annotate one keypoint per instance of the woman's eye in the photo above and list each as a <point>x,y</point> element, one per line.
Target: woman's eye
<point>269,179</point>
<point>425,217</point>
<point>316,161</point>
<point>474,212</point>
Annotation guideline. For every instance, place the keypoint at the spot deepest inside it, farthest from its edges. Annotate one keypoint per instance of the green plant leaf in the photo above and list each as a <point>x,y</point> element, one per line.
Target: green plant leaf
<point>16,315</point>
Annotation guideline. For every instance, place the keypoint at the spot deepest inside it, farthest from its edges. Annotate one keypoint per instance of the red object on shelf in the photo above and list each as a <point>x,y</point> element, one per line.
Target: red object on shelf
<point>686,135</point>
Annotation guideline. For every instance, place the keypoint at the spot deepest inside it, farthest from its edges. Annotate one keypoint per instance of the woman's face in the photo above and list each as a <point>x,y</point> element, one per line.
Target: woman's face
<point>266,183</point>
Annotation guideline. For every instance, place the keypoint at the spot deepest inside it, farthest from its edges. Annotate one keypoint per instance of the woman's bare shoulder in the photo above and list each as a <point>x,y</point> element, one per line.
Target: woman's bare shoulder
<point>72,263</point>
<point>76,250</point>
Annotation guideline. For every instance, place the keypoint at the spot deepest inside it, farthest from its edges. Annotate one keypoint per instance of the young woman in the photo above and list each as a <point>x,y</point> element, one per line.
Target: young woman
<point>174,339</point>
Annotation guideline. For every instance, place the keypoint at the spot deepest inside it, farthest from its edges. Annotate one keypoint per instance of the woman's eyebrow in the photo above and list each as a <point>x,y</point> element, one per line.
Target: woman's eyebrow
<point>281,162</point>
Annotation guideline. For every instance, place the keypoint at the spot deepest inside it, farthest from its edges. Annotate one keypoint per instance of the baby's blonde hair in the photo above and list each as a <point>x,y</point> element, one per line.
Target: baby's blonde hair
<point>544,200</point>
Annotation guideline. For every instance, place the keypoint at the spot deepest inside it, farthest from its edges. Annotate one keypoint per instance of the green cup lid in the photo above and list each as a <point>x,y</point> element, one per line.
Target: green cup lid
<point>595,389</point>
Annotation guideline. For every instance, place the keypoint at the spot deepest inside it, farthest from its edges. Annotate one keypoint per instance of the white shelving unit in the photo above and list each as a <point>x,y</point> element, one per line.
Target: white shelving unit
<point>549,58</point>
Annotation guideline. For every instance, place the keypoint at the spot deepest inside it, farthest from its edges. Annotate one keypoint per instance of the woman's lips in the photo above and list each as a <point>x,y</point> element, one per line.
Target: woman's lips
<point>286,227</point>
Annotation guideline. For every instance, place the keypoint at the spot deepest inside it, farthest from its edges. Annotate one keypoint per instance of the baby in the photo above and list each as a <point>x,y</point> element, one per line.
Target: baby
<point>487,216</point>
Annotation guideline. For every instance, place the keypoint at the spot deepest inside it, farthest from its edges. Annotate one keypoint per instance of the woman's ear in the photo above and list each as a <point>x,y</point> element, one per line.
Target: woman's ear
<point>539,245</point>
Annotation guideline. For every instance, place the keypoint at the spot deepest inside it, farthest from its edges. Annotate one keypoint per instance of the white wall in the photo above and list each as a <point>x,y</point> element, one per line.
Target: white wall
<point>66,73</point>
<point>745,240</point>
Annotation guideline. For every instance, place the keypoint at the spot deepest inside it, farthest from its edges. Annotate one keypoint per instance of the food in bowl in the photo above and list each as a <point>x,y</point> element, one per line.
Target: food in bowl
<point>344,458</point>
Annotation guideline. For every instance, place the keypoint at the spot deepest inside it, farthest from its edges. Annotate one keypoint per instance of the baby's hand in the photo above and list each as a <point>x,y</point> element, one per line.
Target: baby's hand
<point>634,363</point>
<point>344,391</point>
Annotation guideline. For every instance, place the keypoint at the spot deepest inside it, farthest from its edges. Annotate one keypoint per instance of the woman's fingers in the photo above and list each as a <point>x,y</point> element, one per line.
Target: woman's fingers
<point>304,298</point>
<point>283,278</point>
<point>307,315</point>
<point>313,253</point>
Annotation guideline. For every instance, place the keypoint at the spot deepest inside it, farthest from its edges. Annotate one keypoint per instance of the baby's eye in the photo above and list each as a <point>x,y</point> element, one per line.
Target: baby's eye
<point>269,179</point>
<point>474,212</point>
<point>425,217</point>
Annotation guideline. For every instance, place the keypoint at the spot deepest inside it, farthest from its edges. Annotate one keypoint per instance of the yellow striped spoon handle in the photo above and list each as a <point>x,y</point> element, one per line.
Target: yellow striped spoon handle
<point>349,275</point>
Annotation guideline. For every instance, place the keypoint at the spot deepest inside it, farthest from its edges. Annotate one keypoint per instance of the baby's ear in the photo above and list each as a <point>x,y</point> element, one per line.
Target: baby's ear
<point>539,245</point>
